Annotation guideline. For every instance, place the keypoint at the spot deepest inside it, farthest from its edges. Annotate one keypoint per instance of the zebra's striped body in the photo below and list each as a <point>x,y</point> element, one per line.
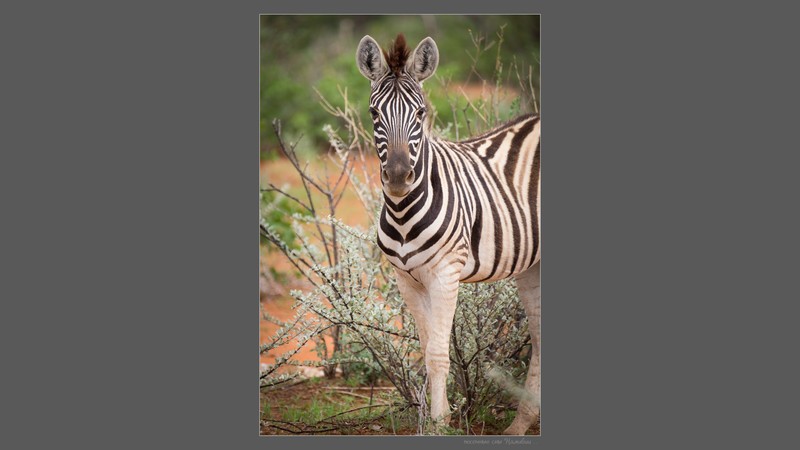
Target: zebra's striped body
<point>454,211</point>
<point>478,199</point>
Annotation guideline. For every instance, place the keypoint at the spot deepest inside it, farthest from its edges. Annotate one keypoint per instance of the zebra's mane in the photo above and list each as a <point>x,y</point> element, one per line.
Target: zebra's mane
<point>496,129</point>
<point>397,55</point>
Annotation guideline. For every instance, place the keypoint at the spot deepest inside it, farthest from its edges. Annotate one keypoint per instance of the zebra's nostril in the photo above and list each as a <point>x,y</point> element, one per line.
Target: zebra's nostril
<point>410,177</point>
<point>384,176</point>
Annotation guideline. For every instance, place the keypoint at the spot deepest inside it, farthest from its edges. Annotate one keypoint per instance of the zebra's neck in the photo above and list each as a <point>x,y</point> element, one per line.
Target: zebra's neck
<point>409,225</point>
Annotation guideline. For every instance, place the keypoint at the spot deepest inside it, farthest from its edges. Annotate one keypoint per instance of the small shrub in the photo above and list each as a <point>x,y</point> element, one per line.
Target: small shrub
<point>490,333</point>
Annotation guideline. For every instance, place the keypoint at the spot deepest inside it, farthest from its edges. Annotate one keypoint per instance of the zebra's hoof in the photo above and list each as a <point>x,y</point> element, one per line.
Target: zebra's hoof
<point>520,426</point>
<point>442,426</point>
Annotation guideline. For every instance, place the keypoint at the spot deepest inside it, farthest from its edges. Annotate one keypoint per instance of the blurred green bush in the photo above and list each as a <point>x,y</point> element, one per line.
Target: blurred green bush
<point>277,210</point>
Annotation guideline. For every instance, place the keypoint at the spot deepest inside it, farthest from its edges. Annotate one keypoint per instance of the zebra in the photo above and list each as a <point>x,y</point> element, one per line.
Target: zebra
<point>453,212</point>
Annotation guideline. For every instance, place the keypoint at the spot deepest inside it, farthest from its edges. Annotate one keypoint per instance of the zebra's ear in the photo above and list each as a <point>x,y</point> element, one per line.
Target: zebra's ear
<point>423,62</point>
<point>370,60</point>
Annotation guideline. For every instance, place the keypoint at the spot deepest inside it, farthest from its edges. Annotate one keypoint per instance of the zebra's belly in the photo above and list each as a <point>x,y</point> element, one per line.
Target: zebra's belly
<point>486,270</point>
<point>490,260</point>
<point>490,267</point>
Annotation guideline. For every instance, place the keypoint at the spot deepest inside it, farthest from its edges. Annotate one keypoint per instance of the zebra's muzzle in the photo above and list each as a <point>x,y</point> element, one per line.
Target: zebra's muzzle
<point>397,179</point>
<point>397,174</point>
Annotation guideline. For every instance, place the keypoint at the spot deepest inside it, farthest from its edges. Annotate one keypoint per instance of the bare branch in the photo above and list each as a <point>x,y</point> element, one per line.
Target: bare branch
<point>273,188</point>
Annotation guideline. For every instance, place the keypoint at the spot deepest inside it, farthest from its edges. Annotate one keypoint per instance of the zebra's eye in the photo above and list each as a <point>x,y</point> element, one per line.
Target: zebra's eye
<point>420,113</point>
<point>374,113</point>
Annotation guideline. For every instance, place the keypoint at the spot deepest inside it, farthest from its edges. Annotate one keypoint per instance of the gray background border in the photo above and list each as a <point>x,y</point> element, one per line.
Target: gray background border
<point>129,178</point>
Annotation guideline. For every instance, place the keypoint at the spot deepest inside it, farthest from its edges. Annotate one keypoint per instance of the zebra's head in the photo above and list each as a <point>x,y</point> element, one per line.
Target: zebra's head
<point>397,105</point>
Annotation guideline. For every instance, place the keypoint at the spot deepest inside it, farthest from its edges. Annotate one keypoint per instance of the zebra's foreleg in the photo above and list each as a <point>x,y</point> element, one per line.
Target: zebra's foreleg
<point>416,299</point>
<point>443,292</point>
<point>530,294</point>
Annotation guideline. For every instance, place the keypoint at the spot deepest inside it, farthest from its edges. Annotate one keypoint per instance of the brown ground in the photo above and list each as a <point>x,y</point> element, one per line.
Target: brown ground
<point>319,406</point>
<point>336,397</point>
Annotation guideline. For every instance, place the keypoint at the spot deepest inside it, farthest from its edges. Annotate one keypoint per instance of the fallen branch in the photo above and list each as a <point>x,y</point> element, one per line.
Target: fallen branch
<point>337,388</point>
<point>287,386</point>
<point>299,429</point>
<point>353,394</point>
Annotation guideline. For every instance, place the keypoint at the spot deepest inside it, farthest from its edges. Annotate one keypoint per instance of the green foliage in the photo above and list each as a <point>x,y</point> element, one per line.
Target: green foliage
<point>317,410</point>
<point>276,210</point>
<point>365,372</point>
